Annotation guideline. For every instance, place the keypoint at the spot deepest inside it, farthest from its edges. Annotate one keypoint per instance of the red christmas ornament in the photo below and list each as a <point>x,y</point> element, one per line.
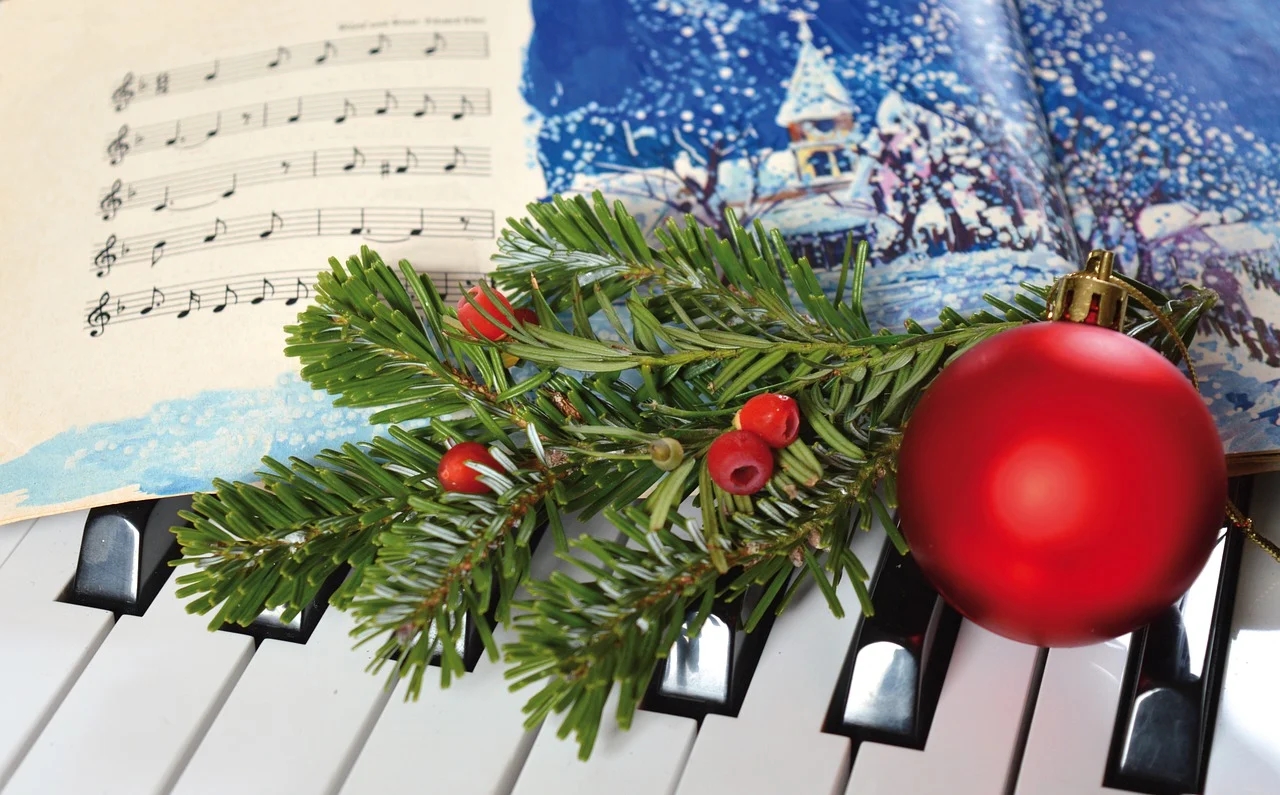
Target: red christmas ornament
<point>1061,483</point>
<point>455,475</point>
<point>740,462</point>
<point>774,418</point>
<point>474,321</point>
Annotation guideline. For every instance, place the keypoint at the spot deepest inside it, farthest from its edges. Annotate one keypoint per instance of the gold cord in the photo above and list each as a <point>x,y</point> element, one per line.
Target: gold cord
<point>1244,523</point>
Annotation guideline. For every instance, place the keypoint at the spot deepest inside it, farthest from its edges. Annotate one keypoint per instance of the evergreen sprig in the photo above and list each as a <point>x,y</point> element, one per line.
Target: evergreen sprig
<point>695,325</point>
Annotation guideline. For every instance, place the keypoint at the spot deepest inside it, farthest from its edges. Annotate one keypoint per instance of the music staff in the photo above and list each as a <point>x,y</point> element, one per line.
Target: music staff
<point>376,224</point>
<point>215,296</point>
<point>202,187</point>
<point>333,107</point>
<point>311,55</point>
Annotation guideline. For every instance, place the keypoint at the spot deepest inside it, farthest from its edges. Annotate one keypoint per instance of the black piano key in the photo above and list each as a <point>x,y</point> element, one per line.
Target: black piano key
<point>1169,694</point>
<point>270,625</point>
<point>892,676</point>
<point>125,555</point>
<point>710,672</point>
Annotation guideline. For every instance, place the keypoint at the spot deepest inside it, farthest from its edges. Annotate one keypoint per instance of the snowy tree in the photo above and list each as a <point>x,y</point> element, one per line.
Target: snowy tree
<point>1163,178</point>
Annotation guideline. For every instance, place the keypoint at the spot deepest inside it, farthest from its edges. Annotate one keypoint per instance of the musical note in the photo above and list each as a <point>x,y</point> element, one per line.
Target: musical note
<point>123,94</point>
<point>274,218</point>
<point>106,257</point>
<point>356,155</point>
<point>266,284</point>
<point>387,104</point>
<point>297,293</point>
<point>110,203</point>
<point>217,222</point>
<point>163,246</point>
<point>347,110</point>
<point>99,317</point>
<point>409,156</point>
<point>229,293</point>
<point>193,299</point>
<point>165,203</point>
<point>457,155</point>
<point>395,45</point>
<point>417,232</point>
<point>229,192</point>
<point>337,106</point>
<point>155,294</point>
<point>119,147</point>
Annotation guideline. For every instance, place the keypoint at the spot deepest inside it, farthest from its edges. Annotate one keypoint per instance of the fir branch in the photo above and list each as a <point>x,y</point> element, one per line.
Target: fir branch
<point>704,323</point>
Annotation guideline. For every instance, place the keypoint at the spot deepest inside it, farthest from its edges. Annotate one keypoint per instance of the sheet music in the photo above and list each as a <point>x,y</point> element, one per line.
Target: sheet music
<point>177,175</point>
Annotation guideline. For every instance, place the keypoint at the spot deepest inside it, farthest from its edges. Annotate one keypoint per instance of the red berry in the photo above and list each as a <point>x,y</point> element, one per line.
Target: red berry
<point>454,473</point>
<point>774,418</point>
<point>527,315</point>
<point>740,462</point>
<point>474,321</point>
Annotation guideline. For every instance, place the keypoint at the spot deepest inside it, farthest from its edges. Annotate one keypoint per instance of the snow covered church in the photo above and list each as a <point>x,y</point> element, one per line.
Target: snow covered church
<point>909,178</point>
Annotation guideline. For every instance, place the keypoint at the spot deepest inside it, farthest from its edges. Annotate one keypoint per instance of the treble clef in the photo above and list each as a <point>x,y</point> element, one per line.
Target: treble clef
<point>106,257</point>
<point>123,94</point>
<point>118,148</point>
<point>99,317</point>
<point>111,202</point>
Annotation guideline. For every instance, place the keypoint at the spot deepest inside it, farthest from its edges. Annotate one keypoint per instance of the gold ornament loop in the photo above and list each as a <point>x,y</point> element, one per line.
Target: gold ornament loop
<point>1099,269</point>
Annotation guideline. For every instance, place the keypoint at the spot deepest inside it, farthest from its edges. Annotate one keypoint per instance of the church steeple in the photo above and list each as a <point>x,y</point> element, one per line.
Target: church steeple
<point>814,91</point>
<point>817,110</point>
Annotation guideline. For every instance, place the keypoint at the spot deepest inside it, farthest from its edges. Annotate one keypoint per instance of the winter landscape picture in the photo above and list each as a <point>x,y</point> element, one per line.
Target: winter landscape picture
<point>1164,119</point>
<point>913,125</point>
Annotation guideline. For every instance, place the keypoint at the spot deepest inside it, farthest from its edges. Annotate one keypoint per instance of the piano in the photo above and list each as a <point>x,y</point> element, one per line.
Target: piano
<point>107,685</point>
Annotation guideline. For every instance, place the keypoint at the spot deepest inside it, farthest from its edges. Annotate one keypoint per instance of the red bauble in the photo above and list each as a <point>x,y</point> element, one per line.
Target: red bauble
<point>475,321</point>
<point>455,475</point>
<point>740,462</point>
<point>774,418</point>
<point>1060,484</point>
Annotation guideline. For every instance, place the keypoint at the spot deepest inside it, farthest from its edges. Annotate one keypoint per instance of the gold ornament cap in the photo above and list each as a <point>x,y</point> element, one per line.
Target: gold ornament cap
<point>1089,296</point>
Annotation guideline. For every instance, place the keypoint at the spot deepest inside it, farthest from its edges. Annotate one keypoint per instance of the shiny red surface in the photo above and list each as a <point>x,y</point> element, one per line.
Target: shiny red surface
<point>1061,483</point>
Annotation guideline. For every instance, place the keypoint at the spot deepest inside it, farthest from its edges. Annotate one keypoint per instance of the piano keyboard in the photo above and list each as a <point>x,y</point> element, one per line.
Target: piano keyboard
<point>108,686</point>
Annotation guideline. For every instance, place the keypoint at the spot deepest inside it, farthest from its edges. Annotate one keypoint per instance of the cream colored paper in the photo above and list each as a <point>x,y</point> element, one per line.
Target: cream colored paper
<point>63,70</point>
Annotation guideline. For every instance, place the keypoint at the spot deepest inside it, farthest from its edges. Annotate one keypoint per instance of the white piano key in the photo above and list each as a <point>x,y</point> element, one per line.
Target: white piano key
<point>44,644</point>
<point>1075,714</point>
<point>646,759</point>
<point>1245,756</point>
<point>442,729</point>
<point>10,535</point>
<point>971,743</point>
<point>776,743</point>
<point>295,720</point>
<point>135,714</point>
